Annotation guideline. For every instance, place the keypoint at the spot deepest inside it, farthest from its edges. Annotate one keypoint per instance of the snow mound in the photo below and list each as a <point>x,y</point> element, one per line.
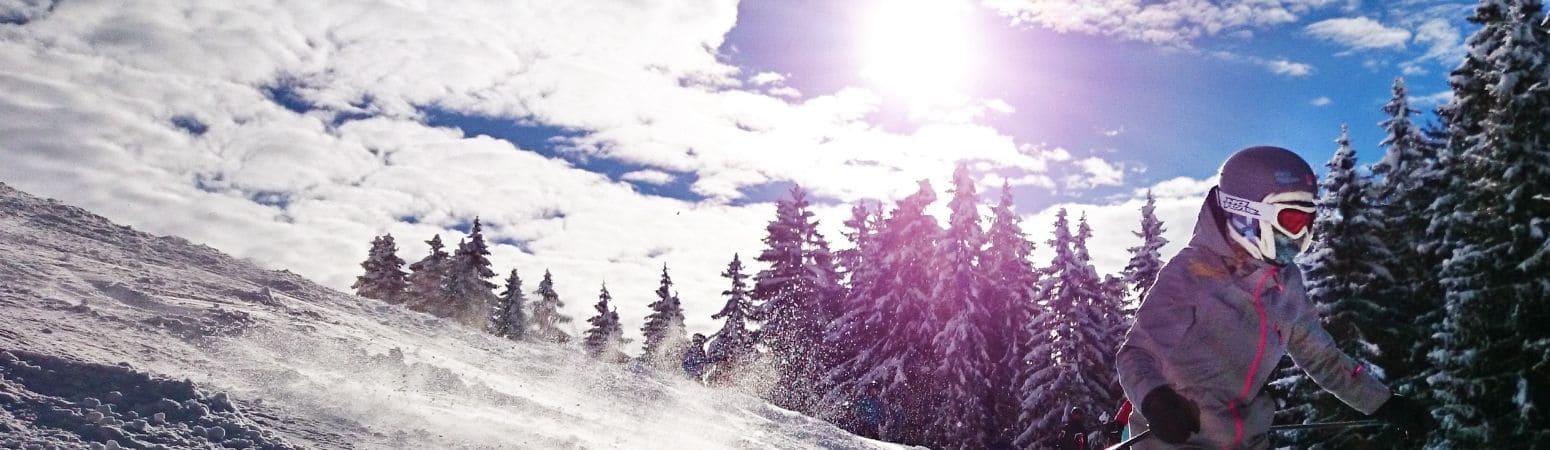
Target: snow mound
<point>46,401</point>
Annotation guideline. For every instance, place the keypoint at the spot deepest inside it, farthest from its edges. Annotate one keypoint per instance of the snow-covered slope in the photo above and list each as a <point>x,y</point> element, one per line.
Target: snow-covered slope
<point>101,322</point>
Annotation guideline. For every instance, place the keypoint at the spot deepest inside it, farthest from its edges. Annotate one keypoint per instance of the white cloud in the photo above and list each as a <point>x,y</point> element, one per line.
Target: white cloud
<point>785,91</point>
<point>1288,68</point>
<point>649,176</point>
<point>1096,172</point>
<point>1444,45</point>
<point>1432,100</point>
<point>1168,22</point>
<point>1275,66</point>
<point>767,78</point>
<point>1359,33</point>
<point>1321,101</point>
<point>1000,106</point>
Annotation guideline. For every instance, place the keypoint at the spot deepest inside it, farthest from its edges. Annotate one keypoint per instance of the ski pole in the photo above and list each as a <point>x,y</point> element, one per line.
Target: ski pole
<point>1132,441</point>
<point>1348,424</point>
<point>1301,426</point>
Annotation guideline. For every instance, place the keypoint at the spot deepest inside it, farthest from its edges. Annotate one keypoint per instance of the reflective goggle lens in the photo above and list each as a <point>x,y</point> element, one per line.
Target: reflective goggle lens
<point>1294,221</point>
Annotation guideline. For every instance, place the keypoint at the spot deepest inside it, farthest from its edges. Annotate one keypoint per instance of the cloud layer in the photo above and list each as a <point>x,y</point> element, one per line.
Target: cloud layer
<point>1359,33</point>
<point>290,133</point>
<point>1170,22</point>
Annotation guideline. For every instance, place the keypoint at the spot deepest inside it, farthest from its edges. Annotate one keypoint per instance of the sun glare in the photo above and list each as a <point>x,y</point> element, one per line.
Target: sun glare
<point>919,50</point>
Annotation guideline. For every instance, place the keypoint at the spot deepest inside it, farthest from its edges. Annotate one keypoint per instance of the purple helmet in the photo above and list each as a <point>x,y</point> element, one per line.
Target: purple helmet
<point>1268,193</point>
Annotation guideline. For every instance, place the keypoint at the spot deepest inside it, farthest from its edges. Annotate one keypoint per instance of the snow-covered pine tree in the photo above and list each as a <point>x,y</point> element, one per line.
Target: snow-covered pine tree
<point>791,304</point>
<point>893,310</point>
<point>1011,276</point>
<point>468,285</point>
<point>1343,265</point>
<point>1119,316</point>
<point>850,333</point>
<point>509,319</point>
<point>963,365</point>
<point>427,277</point>
<point>548,313</point>
<point>1494,219</point>
<point>1050,385</point>
<point>1291,389</point>
<point>1146,259</point>
<point>1405,184</point>
<point>828,284</point>
<point>859,229</point>
<point>823,269</point>
<point>665,335</point>
<point>385,278</point>
<point>605,340</point>
<point>1095,340</point>
<point>732,348</point>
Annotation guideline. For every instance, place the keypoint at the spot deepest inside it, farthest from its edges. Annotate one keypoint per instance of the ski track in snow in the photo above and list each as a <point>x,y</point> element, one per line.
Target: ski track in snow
<point>310,367</point>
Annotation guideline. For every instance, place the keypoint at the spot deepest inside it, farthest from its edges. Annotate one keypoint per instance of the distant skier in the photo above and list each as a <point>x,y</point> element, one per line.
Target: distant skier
<point>1074,435</point>
<point>1224,310</point>
<point>694,359</point>
<point>1115,430</point>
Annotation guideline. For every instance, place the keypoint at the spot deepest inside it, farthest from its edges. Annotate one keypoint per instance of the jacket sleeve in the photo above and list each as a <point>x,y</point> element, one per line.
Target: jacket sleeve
<point>1315,351</point>
<point>1159,329</point>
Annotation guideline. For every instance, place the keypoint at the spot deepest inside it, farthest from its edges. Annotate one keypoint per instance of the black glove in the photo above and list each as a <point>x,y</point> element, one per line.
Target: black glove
<point>1172,417</point>
<point>1406,415</point>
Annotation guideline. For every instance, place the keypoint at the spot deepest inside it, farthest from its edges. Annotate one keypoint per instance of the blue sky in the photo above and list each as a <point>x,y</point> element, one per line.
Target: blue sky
<point>603,139</point>
<point>1177,111</point>
<point>1158,111</point>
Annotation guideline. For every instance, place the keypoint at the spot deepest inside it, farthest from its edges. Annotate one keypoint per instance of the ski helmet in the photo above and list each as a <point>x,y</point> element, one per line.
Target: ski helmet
<point>1268,193</point>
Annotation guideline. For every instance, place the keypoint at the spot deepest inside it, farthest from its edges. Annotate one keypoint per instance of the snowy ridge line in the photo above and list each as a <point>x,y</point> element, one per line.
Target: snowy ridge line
<point>316,368</point>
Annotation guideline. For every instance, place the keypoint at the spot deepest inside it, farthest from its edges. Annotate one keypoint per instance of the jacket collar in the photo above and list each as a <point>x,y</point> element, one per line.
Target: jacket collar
<point>1209,236</point>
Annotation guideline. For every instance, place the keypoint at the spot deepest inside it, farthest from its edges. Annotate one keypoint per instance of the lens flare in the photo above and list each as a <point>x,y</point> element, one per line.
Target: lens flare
<point>920,50</point>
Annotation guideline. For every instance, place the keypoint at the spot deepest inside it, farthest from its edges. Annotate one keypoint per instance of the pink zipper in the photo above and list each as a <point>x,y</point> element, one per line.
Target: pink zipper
<point>1259,354</point>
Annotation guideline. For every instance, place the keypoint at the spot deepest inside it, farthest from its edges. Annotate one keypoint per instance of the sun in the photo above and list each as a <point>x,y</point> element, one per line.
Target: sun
<point>919,50</point>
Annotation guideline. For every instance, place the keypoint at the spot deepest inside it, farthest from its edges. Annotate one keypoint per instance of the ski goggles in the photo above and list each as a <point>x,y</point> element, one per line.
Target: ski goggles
<point>1294,219</point>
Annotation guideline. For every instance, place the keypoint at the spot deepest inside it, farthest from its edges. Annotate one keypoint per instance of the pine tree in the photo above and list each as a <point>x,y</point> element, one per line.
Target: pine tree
<point>385,278</point>
<point>964,365</point>
<point>1343,265</point>
<point>664,329</point>
<point>891,312</point>
<point>1093,339</point>
<point>859,228</point>
<point>793,307</point>
<point>851,333</point>
<point>1494,224</point>
<point>732,348</point>
<point>1119,316</point>
<point>1292,391</point>
<point>605,340</point>
<point>426,278</point>
<point>1146,260</point>
<point>1405,185</point>
<point>548,313</point>
<point>1050,384</point>
<point>1011,276</point>
<point>509,319</point>
<point>468,289</point>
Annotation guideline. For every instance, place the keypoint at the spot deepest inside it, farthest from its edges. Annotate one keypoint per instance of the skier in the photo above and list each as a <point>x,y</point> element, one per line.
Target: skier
<point>1224,310</point>
<point>1115,430</point>
<point>1074,436</point>
<point>694,359</point>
